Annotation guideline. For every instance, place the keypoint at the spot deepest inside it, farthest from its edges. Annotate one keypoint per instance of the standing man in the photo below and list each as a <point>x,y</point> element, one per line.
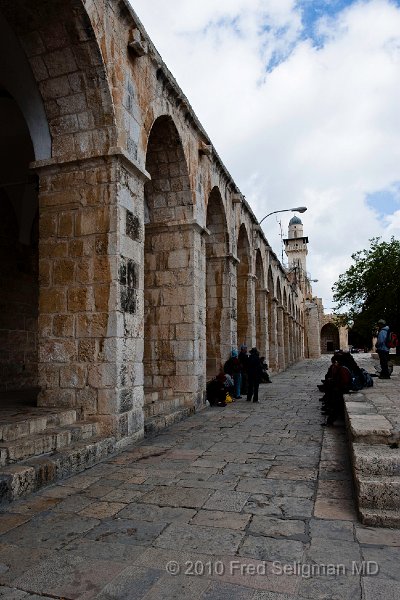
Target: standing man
<point>254,374</point>
<point>244,361</point>
<point>382,349</point>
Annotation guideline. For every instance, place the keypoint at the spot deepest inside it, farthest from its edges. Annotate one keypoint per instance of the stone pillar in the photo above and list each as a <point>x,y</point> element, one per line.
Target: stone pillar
<point>262,321</point>
<point>221,322</point>
<point>175,348</point>
<point>280,338</point>
<point>297,341</point>
<point>273,340</point>
<point>90,274</point>
<point>251,309</point>
<point>286,338</point>
<point>292,340</point>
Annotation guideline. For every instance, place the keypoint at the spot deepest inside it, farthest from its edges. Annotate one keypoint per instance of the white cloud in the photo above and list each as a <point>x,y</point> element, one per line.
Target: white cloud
<point>322,129</point>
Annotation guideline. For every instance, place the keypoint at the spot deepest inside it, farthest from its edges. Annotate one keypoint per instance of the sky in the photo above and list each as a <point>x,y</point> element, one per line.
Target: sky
<point>301,100</point>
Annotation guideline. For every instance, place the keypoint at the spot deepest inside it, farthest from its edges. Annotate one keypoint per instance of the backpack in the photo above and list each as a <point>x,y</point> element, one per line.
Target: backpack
<point>368,381</point>
<point>391,339</point>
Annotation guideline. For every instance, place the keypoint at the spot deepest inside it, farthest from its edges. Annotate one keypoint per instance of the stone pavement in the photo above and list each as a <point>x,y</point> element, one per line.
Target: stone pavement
<point>247,502</point>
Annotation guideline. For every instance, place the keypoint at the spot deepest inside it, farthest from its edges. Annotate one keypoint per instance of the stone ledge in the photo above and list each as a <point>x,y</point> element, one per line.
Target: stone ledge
<point>370,428</point>
<point>20,480</point>
<point>156,424</point>
<point>380,518</point>
<point>375,456</point>
<point>376,460</point>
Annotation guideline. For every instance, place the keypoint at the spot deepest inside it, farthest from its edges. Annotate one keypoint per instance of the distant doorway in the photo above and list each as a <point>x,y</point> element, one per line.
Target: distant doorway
<point>329,338</point>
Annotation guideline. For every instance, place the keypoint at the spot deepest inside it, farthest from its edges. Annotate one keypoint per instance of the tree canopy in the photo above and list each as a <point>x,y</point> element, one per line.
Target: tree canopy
<point>370,288</point>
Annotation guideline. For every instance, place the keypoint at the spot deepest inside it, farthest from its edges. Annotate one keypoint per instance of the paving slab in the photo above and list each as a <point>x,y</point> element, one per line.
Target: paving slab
<point>262,492</point>
<point>207,540</point>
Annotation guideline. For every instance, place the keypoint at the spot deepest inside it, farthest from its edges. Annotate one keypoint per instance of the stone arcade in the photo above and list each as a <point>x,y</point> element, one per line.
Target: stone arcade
<point>130,261</point>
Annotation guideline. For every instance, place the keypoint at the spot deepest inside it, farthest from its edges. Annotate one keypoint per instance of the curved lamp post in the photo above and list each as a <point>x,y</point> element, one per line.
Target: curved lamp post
<point>299,209</point>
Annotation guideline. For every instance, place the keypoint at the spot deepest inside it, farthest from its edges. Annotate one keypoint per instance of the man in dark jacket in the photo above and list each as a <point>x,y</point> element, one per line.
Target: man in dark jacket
<point>382,349</point>
<point>244,361</point>
<point>254,375</point>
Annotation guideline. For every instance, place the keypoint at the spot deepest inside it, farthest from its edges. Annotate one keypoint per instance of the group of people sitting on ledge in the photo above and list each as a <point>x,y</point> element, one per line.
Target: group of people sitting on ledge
<point>343,376</point>
<point>241,375</point>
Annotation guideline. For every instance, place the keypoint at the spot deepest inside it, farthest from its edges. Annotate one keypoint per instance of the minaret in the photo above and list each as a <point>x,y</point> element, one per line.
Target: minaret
<point>296,250</point>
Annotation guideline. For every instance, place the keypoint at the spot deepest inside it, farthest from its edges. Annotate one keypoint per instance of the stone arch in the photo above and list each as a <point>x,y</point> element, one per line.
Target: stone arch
<point>217,284</point>
<point>244,310</point>
<point>57,76</point>
<point>168,270</point>
<point>53,72</point>
<point>168,195</point>
<point>17,80</point>
<point>261,312</point>
<point>329,338</point>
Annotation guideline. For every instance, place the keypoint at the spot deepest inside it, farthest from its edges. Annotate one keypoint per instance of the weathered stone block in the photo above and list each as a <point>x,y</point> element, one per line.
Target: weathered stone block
<point>87,350</point>
<point>107,401</point>
<point>66,224</point>
<point>92,221</point>
<point>64,271</point>
<point>103,375</point>
<point>91,325</point>
<point>48,225</point>
<point>63,326</point>
<point>55,87</point>
<point>73,376</point>
<point>79,299</point>
<point>52,301</point>
<point>60,62</point>
<point>57,351</point>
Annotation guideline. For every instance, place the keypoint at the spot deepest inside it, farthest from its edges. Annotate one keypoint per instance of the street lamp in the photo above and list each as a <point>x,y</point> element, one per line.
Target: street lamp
<point>299,209</point>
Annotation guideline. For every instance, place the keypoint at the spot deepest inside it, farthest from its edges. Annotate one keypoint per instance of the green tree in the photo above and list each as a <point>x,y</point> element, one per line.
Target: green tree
<point>370,288</point>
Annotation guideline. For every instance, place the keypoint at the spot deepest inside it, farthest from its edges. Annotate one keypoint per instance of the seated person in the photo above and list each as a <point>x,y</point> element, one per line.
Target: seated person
<point>265,375</point>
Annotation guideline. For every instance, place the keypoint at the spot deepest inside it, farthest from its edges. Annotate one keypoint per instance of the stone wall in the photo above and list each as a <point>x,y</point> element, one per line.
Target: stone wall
<point>151,263</point>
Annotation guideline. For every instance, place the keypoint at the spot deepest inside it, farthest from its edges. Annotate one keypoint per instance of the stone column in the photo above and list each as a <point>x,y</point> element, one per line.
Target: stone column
<point>220,315</point>
<point>286,338</point>
<point>262,321</point>
<point>273,345</point>
<point>90,300</point>
<point>176,321</point>
<point>280,338</point>
<point>251,311</point>
<point>292,340</point>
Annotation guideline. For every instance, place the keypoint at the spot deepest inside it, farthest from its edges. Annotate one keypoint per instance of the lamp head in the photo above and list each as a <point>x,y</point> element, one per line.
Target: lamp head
<point>300,209</point>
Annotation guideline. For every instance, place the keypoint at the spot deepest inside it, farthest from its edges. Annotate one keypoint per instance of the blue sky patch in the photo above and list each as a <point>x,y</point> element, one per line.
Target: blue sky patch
<point>313,10</point>
<point>385,202</point>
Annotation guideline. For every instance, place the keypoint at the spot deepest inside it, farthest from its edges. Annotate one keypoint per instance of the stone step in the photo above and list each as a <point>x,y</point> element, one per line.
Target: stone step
<point>26,477</point>
<point>45,442</point>
<point>380,518</point>
<point>19,424</point>
<point>163,407</point>
<point>157,423</point>
<point>378,459</point>
<point>370,428</point>
<point>151,396</point>
<point>381,493</point>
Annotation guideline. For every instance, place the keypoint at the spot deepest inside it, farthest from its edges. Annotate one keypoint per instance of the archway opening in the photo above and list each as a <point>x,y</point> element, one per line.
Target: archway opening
<point>18,257</point>
<point>216,257</point>
<point>168,270</point>
<point>243,273</point>
<point>329,338</point>
<point>271,322</point>
<point>260,306</point>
